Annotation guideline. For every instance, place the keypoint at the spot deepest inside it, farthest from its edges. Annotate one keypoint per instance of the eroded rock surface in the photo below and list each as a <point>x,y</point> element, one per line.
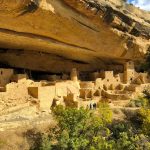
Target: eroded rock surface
<point>58,35</point>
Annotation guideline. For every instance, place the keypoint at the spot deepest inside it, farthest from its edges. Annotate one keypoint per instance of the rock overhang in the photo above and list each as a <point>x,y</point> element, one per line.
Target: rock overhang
<point>82,34</point>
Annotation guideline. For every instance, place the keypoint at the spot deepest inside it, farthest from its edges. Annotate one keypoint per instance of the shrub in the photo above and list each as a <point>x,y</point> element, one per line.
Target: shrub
<point>117,128</point>
<point>45,143</point>
<point>127,138</point>
<point>83,129</point>
<point>128,141</point>
<point>38,140</point>
<point>105,112</point>
<point>139,102</point>
<point>144,117</point>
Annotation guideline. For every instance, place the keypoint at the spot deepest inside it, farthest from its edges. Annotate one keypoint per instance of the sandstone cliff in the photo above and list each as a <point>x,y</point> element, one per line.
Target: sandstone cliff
<point>58,35</point>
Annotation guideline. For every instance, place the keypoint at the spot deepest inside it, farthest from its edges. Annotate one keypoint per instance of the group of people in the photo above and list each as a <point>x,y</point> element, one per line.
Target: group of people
<point>92,106</point>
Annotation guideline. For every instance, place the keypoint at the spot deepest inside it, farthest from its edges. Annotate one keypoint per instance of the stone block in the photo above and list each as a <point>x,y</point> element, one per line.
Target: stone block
<point>46,96</point>
<point>33,91</point>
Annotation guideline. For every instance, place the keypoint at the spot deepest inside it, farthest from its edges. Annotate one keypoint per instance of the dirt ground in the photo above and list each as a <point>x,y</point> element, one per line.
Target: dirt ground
<point>20,138</point>
<point>13,140</point>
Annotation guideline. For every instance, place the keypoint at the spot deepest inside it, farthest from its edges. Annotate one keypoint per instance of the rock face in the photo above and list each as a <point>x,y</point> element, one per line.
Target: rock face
<point>58,35</point>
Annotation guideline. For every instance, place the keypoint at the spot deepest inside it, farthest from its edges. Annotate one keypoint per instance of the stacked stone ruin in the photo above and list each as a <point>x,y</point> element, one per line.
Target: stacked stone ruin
<point>73,92</point>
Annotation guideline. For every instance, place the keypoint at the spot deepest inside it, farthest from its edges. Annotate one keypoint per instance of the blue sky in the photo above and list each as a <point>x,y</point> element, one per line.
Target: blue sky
<point>143,4</point>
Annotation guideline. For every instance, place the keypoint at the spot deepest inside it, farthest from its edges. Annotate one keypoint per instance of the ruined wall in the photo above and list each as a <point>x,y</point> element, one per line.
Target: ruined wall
<point>46,96</point>
<point>5,76</point>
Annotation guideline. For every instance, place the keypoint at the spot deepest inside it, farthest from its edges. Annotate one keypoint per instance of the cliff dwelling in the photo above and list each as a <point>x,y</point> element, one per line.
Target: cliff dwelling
<point>74,75</point>
<point>70,90</point>
<point>71,52</point>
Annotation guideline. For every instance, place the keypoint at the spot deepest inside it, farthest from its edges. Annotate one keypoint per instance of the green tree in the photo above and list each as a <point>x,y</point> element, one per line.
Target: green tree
<point>83,129</point>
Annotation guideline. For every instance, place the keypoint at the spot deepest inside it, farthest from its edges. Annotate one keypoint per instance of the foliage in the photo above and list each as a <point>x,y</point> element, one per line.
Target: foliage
<point>82,129</point>
<point>139,102</point>
<point>144,117</point>
<point>38,140</point>
<point>132,142</point>
<point>45,143</point>
<point>126,138</point>
<point>105,112</point>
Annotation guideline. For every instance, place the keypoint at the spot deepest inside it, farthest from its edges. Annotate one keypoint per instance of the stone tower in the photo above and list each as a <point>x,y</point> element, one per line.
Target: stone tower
<point>129,72</point>
<point>74,75</point>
